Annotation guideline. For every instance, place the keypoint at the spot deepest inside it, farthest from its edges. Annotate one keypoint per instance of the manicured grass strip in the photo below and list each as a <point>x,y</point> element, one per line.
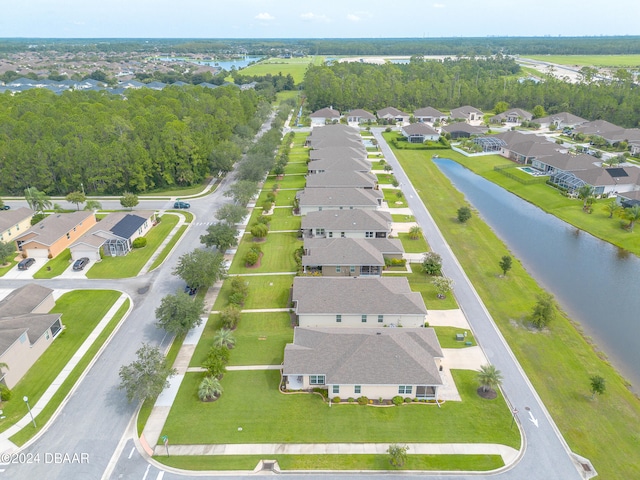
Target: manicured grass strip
<point>265,291</point>
<point>597,429</point>
<point>168,247</point>
<point>282,219</point>
<point>396,217</point>
<point>81,311</point>
<point>422,283</point>
<point>251,400</point>
<point>392,199</point>
<point>419,245</point>
<point>55,266</point>
<point>8,267</point>
<point>188,216</point>
<point>177,191</point>
<point>480,463</point>
<point>447,337</point>
<point>277,254</point>
<point>385,178</point>
<point>260,339</point>
<point>296,168</point>
<point>296,67</point>
<point>147,406</point>
<point>622,61</point>
<point>26,433</point>
<point>130,264</point>
<point>288,181</point>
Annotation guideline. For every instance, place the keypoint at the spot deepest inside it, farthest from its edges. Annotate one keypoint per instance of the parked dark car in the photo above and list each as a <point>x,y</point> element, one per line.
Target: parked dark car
<point>80,263</point>
<point>5,207</point>
<point>26,263</point>
<point>181,205</point>
<point>190,290</point>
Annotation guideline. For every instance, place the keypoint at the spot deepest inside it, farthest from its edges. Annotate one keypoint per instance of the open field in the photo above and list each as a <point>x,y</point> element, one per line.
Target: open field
<point>597,429</point>
<point>304,418</point>
<point>296,67</point>
<point>622,61</point>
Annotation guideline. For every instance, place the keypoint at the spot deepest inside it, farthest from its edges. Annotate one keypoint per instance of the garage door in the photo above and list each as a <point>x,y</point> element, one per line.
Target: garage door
<point>37,252</point>
<point>92,254</point>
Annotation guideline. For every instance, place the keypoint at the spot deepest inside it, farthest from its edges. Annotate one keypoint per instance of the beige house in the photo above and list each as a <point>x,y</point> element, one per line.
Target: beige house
<point>375,363</point>
<point>323,116</point>
<point>26,329</point>
<point>347,224</point>
<point>114,235</point>
<point>55,233</point>
<point>347,198</point>
<point>14,222</point>
<point>361,302</point>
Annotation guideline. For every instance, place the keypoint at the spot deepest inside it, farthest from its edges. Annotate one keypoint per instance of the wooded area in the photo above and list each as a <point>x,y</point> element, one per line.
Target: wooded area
<point>478,82</point>
<point>110,144</point>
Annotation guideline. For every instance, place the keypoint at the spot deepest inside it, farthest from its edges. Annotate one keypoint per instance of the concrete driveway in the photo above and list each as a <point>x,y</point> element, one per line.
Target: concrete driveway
<point>15,274</point>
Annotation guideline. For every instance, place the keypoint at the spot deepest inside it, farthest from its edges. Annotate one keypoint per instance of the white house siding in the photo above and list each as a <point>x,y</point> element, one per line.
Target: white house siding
<point>372,392</point>
<point>311,320</point>
<point>92,254</point>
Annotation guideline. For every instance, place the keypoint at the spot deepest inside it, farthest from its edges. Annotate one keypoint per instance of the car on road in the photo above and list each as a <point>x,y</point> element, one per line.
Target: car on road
<point>181,205</point>
<point>5,207</point>
<point>26,263</point>
<point>80,263</point>
<point>190,290</point>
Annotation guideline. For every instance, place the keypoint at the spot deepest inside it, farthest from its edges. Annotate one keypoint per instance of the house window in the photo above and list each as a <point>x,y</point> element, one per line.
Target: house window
<point>380,318</point>
<point>342,235</point>
<point>368,234</point>
<point>338,269</point>
<point>356,389</point>
<point>405,389</point>
<point>352,269</point>
<point>330,234</point>
<point>350,208</point>
<point>319,209</point>
<point>338,318</point>
<point>74,229</point>
<point>336,389</point>
<point>319,231</point>
<point>316,379</point>
<point>340,208</point>
<point>364,319</point>
<point>68,236</point>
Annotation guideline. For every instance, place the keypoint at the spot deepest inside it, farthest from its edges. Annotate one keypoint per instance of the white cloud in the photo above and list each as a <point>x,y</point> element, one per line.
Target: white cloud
<point>264,16</point>
<point>354,18</point>
<point>310,16</point>
<point>438,5</point>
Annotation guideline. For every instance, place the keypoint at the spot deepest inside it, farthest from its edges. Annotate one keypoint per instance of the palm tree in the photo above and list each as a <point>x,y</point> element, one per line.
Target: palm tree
<point>633,215</point>
<point>489,377</point>
<point>224,338</point>
<point>585,192</point>
<point>209,389</point>
<point>415,232</point>
<point>612,207</point>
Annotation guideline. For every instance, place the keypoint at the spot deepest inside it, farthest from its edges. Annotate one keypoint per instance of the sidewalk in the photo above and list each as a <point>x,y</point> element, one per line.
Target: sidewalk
<point>7,445</point>
<point>160,249</point>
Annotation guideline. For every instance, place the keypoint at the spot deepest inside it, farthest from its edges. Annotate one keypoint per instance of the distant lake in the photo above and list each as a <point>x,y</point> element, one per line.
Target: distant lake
<point>225,64</point>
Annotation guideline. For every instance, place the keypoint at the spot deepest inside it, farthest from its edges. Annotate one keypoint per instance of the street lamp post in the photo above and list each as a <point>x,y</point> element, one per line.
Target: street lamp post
<point>26,400</point>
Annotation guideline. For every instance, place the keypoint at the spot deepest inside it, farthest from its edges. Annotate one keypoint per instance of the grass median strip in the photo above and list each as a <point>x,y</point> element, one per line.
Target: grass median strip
<point>168,247</point>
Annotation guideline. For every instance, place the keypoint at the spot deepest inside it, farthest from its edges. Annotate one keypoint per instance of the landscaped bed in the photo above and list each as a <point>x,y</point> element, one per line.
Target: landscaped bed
<point>251,401</point>
<point>277,254</point>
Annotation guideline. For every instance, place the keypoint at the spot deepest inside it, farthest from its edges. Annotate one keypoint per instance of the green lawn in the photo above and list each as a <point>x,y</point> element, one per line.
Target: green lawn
<point>385,178</point>
<point>621,61</point>
<point>4,269</point>
<point>296,67</point>
<point>178,191</point>
<point>260,339</point>
<point>284,198</point>
<point>277,254</point>
<point>336,462</point>
<point>55,266</point>
<point>288,181</point>
<point>447,337</point>
<point>130,264</point>
<point>378,165</point>
<point>423,283</point>
<point>168,247</point>
<point>305,418</point>
<point>597,429</point>
<point>280,219</point>
<point>418,245</point>
<point>268,291</point>
<point>81,311</point>
<point>399,218</point>
<point>392,199</point>
<point>296,168</point>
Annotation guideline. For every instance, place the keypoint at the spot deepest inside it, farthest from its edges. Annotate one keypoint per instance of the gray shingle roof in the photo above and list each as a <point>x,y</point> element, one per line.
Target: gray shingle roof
<point>608,176</point>
<point>568,163</point>
<point>348,251</point>
<point>355,220</point>
<point>464,112</point>
<point>359,113</point>
<point>340,165</point>
<point>110,226</point>
<point>338,153</point>
<point>340,196</point>
<point>356,295</point>
<point>53,227</point>
<point>325,113</point>
<point>418,129</point>
<point>463,127</point>
<point>428,112</point>
<point>8,218</point>
<point>565,118</point>
<point>391,112</point>
<point>342,179</point>
<point>376,356</point>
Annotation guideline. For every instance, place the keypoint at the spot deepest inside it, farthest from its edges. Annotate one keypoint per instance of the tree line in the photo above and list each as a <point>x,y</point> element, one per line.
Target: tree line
<point>109,144</point>
<point>481,82</point>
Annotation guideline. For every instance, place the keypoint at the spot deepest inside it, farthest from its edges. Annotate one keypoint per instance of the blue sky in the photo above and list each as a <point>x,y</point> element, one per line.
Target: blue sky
<point>315,18</point>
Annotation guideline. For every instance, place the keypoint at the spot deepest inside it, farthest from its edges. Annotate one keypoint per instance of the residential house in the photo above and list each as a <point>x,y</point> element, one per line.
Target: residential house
<point>54,234</point>
<point>429,115</point>
<point>391,114</point>
<point>113,235</point>
<point>466,113</point>
<point>318,199</point>
<point>561,120</point>
<point>629,199</point>
<point>349,256</point>
<point>13,222</point>
<point>323,116</point>
<point>563,162</point>
<point>339,165</point>
<point>335,136</point>
<point>604,181</point>
<point>513,116</point>
<point>419,133</point>
<point>374,363</point>
<point>332,179</point>
<point>347,224</point>
<point>525,148</point>
<point>462,130</point>
<point>26,329</point>
<point>358,153</point>
<point>359,116</point>
<point>601,128</point>
<point>357,302</point>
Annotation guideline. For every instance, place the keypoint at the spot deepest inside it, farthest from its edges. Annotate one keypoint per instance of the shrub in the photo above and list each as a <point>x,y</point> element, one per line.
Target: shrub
<point>351,400</point>
<point>230,316</point>
<point>363,400</point>
<point>259,230</point>
<point>38,217</point>
<point>397,400</point>
<point>335,399</point>
<point>251,258</point>
<point>139,242</point>
<point>407,400</point>
<point>271,197</point>
<point>5,393</point>
<point>266,206</point>
<point>263,219</point>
